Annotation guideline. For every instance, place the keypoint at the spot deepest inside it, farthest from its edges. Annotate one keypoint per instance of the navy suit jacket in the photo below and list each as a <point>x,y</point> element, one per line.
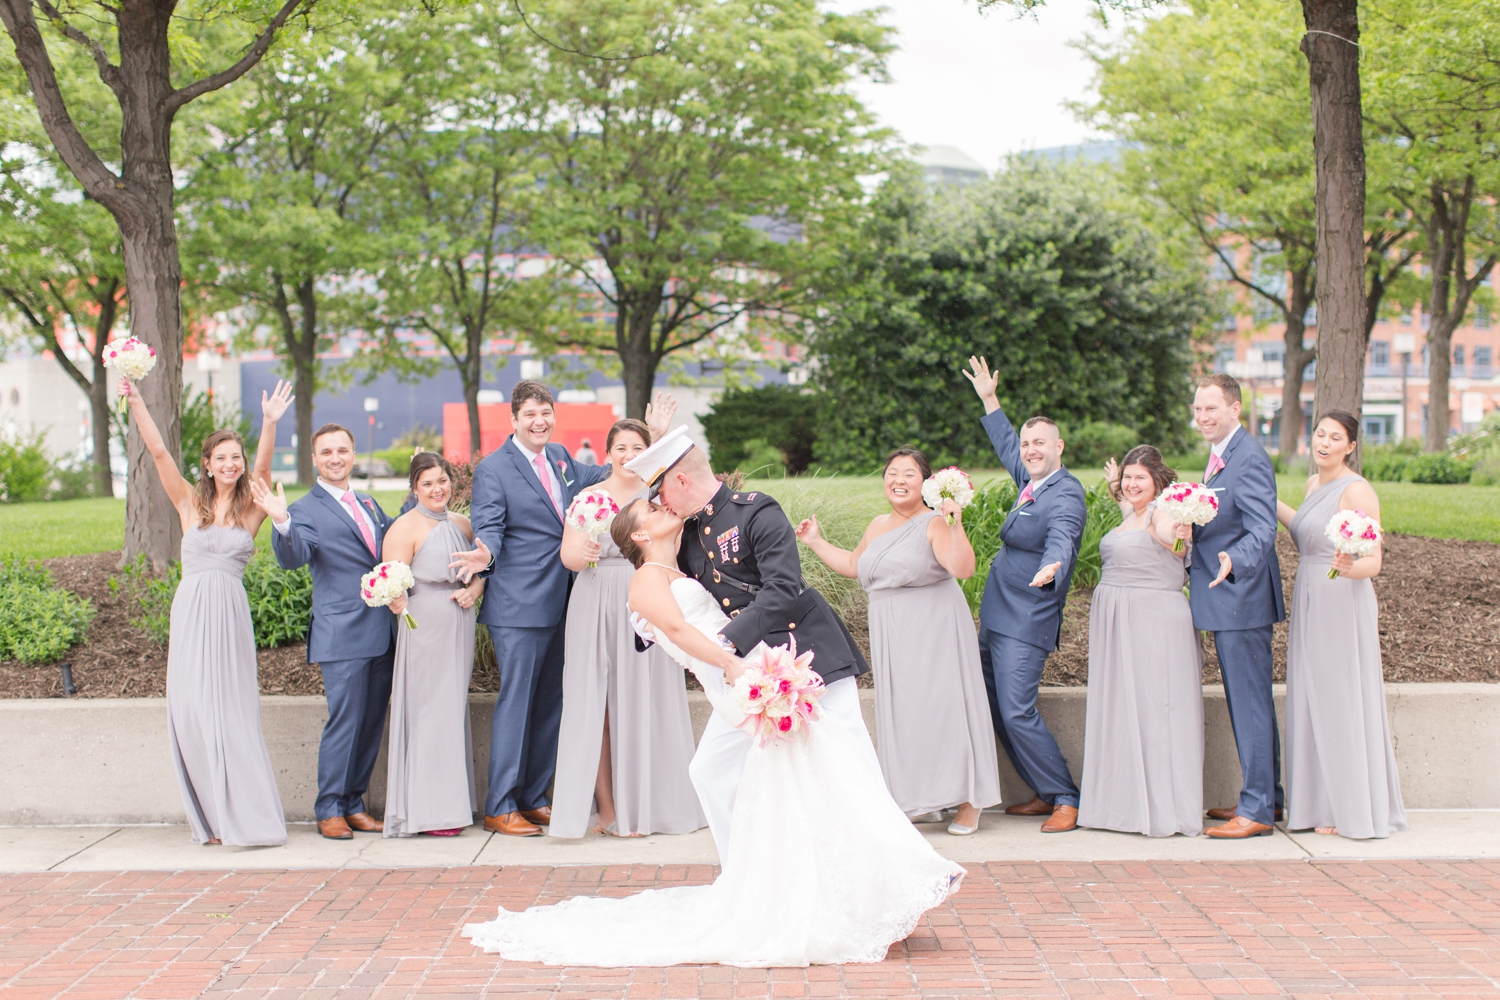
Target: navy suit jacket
<point>1044,531</point>
<point>323,537</point>
<point>515,518</point>
<point>1245,527</point>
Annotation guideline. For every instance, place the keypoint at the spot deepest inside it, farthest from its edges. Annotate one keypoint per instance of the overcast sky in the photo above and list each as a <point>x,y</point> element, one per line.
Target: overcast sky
<point>990,83</point>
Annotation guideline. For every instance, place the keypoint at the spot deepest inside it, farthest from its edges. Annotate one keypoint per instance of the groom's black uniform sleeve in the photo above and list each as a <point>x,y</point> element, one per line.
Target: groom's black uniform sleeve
<point>741,547</point>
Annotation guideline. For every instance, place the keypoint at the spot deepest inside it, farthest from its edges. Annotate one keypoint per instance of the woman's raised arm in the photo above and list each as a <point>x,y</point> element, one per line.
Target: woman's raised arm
<point>272,407</point>
<point>841,561</point>
<point>177,488</point>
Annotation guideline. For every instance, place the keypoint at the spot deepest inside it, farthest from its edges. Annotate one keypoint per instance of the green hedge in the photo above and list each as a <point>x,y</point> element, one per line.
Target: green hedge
<point>1405,463</point>
<point>280,600</point>
<point>38,620</point>
<point>1090,445</point>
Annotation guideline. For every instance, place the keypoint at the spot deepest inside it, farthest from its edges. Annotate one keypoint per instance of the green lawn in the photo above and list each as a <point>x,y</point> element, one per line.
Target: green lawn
<point>843,504</point>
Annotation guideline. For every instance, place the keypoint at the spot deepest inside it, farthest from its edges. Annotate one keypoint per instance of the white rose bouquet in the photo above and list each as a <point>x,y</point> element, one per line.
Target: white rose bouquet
<point>1188,503</point>
<point>385,583</point>
<point>592,512</point>
<point>951,483</point>
<point>132,358</point>
<point>1354,532</point>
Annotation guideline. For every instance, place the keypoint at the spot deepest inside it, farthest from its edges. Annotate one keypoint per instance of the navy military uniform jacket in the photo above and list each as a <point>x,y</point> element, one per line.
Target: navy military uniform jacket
<point>743,550</point>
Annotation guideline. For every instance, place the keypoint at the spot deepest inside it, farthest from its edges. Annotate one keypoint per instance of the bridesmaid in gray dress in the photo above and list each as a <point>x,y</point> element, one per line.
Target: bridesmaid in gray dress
<point>933,732</point>
<point>1143,735</point>
<point>625,738</point>
<point>213,689</point>
<point>1340,767</point>
<point>430,783</point>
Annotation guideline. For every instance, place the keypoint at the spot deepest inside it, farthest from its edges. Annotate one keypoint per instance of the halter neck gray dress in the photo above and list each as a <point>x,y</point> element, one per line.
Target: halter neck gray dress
<point>934,737</point>
<point>1340,767</point>
<point>213,696</point>
<point>650,731</point>
<point>1143,731</point>
<point>430,781</point>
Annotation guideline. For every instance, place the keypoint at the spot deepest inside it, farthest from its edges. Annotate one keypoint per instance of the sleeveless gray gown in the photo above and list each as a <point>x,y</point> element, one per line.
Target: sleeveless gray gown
<point>213,696</point>
<point>650,731</point>
<point>934,737</point>
<point>1143,731</point>
<point>1340,767</point>
<point>430,783</point>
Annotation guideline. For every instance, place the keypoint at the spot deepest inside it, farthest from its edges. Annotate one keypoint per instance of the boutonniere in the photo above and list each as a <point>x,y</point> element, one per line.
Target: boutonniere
<point>369,504</point>
<point>562,470</point>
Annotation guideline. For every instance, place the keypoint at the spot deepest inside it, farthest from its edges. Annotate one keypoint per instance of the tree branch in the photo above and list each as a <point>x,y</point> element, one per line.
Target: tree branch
<point>227,76</point>
<point>109,73</point>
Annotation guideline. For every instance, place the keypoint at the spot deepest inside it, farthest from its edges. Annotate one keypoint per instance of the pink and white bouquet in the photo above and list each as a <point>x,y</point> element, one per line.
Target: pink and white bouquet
<point>132,358</point>
<point>951,483</point>
<point>1188,503</point>
<point>385,583</point>
<point>779,695</point>
<point>591,512</point>
<point>1354,532</point>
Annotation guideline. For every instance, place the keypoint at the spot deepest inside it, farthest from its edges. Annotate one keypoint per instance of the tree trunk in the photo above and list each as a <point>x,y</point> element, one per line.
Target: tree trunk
<point>1439,368</point>
<point>1331,47</point>
<point>98,391</point>
<point>1294,359</point>
<point>638,372</point>
<point>303,352</point>
<point>472,371</point>
<point>635,319</point>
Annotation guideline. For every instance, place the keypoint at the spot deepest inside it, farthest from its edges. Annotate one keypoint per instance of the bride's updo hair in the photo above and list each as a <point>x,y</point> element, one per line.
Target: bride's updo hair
<point>624,525</point>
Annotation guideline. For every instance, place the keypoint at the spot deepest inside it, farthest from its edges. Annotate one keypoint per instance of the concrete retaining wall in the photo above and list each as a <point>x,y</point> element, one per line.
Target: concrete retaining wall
<point>106,760</point>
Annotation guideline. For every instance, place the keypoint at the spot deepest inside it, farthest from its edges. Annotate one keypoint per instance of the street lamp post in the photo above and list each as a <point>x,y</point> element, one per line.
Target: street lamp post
<point>1405,344</point>
<point>208,363</point>
<point>372,405</point>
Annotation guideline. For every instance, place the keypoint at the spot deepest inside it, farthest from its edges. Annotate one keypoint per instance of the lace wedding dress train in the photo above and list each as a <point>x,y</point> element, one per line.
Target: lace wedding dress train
<point>824,867</point>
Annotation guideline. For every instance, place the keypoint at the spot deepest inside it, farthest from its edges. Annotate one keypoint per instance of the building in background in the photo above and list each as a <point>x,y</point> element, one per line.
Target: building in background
<point>948,166</point>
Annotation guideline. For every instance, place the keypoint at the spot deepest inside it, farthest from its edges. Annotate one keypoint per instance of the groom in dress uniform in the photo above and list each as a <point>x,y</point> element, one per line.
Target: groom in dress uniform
<point>741,547</point>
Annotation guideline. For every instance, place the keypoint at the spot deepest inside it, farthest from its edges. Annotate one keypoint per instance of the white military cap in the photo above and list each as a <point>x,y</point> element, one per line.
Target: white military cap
<point>653,464</point>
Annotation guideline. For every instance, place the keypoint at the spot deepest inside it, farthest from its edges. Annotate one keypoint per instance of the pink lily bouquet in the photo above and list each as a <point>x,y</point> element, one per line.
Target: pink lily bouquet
<point>1354,532</point>
<point>385,583</point>
<point>779,696</point>
<point>592,512</point>
<point>1188,503</point>
<point>951,483</point>
<point>132,358</point>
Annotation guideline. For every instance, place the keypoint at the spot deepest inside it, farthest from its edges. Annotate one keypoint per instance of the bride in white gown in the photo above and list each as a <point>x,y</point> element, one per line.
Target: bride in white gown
<point>824,867</point>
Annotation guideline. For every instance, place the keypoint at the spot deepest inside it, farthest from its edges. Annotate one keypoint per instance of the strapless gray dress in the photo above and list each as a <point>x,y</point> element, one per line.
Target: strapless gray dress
<point>1340,767</point>
<point>430,779</point>
<point>650,731</point>
<point>1143,730</point>
<point>213,697</point>
<point>933,732</point>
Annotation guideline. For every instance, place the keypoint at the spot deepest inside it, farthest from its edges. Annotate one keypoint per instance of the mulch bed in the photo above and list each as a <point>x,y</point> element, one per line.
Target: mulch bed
<point>1439,621</point>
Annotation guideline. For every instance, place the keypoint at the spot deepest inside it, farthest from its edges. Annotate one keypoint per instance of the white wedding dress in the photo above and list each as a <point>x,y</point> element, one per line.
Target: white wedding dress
<point>824,866</point>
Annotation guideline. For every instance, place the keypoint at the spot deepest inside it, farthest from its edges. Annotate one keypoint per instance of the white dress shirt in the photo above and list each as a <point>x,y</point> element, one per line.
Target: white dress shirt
<point>554,478</point>
<point>1218,449</point>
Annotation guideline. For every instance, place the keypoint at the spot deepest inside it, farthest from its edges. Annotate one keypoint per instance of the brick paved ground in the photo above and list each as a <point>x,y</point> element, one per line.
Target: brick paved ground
<point>1389,929</point>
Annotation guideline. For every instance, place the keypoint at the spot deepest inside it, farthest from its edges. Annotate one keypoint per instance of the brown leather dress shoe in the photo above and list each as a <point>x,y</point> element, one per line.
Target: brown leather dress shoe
<point>1229,813</point>
<point>1036,807</point>
<point>1240,828</point>
<point>541,817</point>
<point>364,823</point>
<point>1063,819</point>
<point>334,828</point>
<point>512,824</point>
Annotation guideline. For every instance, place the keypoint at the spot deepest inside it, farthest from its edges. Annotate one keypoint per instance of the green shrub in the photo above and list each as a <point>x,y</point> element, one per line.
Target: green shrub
<point>1486,470</point>
<point>38,620</point>
<point>280,600</point>
<point>1438,467</point>
<point>1090,445</point>
<point>73,481</point>
<point>779,419</point>
<point>151,594</point>
<point>983,519</point>
<point>1384,463</point>
<point>1103,517</point>
<point>25,470</point>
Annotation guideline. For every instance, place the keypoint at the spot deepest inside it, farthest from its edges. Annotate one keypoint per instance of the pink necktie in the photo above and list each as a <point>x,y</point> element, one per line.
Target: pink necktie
<point>1025,495</point>
<point>364,526</point>
<point>541,467</point>
<point>1215,463</point>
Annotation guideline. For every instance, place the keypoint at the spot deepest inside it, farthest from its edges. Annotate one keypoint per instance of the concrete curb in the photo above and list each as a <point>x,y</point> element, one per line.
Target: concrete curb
<point>105,760</point>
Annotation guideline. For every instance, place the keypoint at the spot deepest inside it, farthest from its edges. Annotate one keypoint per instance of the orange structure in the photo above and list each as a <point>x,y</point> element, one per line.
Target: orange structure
<point>575,422</point>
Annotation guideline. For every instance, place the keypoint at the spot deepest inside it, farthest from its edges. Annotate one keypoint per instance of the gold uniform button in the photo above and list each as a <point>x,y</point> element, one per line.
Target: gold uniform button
<point>726,602</point>
<point>735,497</point>
<point>708,531</point>
<point>710,555</point>
<point>792,625</point>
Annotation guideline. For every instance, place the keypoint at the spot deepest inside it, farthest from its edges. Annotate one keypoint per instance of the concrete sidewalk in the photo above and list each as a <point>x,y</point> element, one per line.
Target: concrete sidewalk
<point>1437,834</point>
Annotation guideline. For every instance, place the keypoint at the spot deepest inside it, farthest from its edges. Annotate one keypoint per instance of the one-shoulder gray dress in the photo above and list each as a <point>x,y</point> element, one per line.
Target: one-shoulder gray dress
<point>650,731</point>
<point>430,783</point>
<point>1340,767</point>
<point>1143,731</point>
<point>213,696</point>
<point>933,733</point>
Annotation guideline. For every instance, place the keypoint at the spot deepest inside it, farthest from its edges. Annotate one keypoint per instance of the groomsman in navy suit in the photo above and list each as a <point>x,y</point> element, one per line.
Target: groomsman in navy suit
<point>521,491</point>
<point>337,533</point>
<point>1020,615</point>
<point>1235,592</point>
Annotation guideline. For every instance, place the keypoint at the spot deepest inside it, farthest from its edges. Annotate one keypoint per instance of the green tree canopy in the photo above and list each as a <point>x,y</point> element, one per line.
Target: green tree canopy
<point>1069,296</point>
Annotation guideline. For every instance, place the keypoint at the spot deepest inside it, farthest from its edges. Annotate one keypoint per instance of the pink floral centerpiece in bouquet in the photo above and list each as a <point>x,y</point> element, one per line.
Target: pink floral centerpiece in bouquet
<point>1354,532</point>
<point>779,695</point>
<point>592,512</point>
<point>385,583</point>
<point>1188,503</point>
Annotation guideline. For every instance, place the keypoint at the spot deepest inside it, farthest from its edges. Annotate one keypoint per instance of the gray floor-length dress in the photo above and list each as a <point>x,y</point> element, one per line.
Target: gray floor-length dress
<point>650,731</point>
<point>1340,767</point>
<point>933,733</point>
<point>430,784</point>
<point>1143,735</point>
<point>213,696</point>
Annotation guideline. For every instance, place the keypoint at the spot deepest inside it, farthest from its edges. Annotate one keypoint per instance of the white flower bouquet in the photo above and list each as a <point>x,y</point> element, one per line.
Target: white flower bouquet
<point>385,583</point>
<point>1188,503</point>
<point>132,358</point>
<point>592,512</point>
<point>951,483</point>
<point>1354,532</point>
<point>779,696</point>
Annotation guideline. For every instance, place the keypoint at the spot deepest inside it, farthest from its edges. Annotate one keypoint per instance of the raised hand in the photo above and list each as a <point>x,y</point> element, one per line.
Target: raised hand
<point>274,406</point>
<point>470,562</point>
<point>127,390</point>
<point>274,504</point>
<point>1226,566</point>
<point>985,384</point>
<point>1112,471</point>
<point>659,414</point>
<point>809,530</point>
<point>1046,574</point>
